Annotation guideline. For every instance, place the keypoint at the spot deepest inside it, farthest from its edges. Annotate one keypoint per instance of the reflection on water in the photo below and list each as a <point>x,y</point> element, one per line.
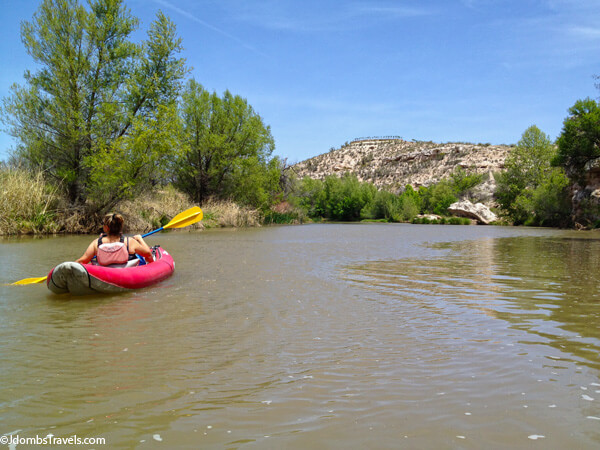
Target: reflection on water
<point>324,336</point>
<point>548,287</point>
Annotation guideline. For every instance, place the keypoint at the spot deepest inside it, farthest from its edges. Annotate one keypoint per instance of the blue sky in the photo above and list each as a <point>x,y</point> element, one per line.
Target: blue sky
<point>324,72</point>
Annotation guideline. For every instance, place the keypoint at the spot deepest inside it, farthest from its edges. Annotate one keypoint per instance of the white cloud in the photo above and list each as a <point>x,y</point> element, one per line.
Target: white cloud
<point>388,11</point>
<point>586,33</point>
<point>205,24</point>
<point>326,16</point>
<point>558,35</point>
<point>480,4</point>
<point>572,4</point>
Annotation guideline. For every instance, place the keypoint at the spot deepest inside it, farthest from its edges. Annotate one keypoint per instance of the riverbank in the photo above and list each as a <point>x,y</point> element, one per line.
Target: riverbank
<point>153,211</point>
<point>29,205</point>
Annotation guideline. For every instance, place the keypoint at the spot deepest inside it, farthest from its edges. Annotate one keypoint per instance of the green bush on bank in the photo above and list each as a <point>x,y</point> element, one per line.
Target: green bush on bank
<point>347,199</point>
<point>442,221</point>
<point>282,218</point>
<point>393,208</point>
<point>334,198</point>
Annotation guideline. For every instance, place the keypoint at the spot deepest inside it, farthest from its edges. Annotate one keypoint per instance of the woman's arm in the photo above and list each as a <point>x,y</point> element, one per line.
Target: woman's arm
<point>89,253</point>
<point>140,247</point>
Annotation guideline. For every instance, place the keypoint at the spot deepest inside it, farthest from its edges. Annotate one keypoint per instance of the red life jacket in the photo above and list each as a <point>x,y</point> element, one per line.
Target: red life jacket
<point>112,252</point>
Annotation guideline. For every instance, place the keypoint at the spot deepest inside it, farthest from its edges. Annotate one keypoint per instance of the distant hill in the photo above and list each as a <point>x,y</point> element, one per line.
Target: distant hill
<point>393,163</point>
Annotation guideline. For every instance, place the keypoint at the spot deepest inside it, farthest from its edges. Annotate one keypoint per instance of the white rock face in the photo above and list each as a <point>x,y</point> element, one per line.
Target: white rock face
<point>478,211</point>
<point>395,163</point>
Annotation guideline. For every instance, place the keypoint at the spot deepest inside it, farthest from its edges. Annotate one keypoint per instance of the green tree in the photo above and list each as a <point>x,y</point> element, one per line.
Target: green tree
<point>226,149</point>
<point>530,189</point>
<point>525,167</point>
<point>337,198</point>
<point>438,197</point>
<point>409,208</point>
<point>579,141</point>
<point>462,181</point>
<point>98,115</point>
<point>255,183</point>
<point>551,205</point>
<point>310,196</point>
<point>392,207</point>
<point>346,197</point>
<point>410,203</point>
<point>385,205</point>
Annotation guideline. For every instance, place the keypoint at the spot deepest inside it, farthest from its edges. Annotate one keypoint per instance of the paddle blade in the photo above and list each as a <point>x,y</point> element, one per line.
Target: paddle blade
<point>186,218</point>
<point>189,221</point>
<point>29,281</point>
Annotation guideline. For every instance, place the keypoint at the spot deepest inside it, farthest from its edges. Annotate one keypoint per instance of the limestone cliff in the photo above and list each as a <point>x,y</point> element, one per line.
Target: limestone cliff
<point>394,163</point>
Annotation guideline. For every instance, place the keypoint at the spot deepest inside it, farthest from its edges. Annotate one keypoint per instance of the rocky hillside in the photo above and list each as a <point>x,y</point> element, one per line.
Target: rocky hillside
<point>394,163</point>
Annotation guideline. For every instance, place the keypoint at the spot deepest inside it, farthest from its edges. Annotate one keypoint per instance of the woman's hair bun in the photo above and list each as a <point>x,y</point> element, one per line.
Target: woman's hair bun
<point>114,222</point>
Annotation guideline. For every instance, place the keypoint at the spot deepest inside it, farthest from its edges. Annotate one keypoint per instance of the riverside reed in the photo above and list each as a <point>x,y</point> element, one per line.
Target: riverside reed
<point>27,203</point>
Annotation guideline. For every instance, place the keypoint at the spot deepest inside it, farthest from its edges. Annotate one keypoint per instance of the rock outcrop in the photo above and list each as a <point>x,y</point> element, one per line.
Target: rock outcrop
<point>586,200</point>
<point>477,211</point>
<point>395,163</point>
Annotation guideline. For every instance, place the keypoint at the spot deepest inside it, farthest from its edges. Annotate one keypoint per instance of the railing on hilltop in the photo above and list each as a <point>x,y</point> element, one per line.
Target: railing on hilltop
<point>377,138</point>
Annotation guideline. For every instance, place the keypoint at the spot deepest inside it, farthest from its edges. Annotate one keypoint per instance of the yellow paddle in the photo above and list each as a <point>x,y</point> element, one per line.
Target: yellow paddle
<point>188,217</point>
<point>181,220</point>
<point>30,281</point>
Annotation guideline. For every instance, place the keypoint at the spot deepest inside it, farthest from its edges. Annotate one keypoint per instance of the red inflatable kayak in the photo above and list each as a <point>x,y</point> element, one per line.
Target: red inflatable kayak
<point>82,279</point>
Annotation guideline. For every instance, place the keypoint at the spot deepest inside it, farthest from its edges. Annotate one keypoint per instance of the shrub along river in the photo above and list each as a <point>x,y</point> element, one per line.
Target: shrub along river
<point>346,336</point>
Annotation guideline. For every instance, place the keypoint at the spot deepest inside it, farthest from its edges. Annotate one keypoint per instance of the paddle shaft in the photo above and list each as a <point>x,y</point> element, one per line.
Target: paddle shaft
<point>152,232</point>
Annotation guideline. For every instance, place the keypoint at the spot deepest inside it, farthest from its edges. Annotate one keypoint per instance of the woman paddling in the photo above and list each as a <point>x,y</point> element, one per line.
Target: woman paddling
<point>112,247</point>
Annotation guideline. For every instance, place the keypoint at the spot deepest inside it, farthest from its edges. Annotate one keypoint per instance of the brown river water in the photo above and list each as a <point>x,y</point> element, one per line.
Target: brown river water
<point>318,336</point>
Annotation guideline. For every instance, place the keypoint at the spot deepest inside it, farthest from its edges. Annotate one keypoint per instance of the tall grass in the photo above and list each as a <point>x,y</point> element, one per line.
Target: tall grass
<point>285,213</point>
<point>27,203</point>
<point>155,209</point>
<point>229,214</point>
